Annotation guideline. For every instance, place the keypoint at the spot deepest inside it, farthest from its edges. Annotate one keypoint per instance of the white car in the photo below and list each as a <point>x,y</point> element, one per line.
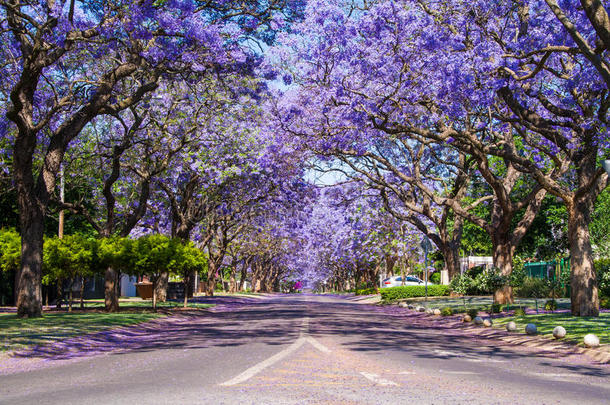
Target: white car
<point>396,281</point>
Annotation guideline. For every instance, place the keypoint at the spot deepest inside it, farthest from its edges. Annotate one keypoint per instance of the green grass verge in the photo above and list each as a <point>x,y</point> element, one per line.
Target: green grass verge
<point>137,303</point>
<point>577,327</point>
<point>17,334</point>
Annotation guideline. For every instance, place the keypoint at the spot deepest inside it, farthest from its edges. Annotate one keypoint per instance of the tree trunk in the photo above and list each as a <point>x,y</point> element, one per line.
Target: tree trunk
<point>82,293</point>
<point>187,286</point>
<point>583,282</point>
<point>111,293</point>
<point>60,294</point>
<point>28,279</point>
<point>161,286</point>
<point>211,285</point>
<point>154,292</point>
<point>503,260</point>
<point>70,294</point>
<point>452,260</point>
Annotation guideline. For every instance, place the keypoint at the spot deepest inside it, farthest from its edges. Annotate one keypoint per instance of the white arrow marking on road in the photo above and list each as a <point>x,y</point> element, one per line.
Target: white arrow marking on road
<point>377,380</point>
<point>252,371</point>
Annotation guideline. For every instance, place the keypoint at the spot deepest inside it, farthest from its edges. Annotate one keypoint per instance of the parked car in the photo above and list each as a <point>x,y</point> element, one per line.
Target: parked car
<point>396,281</point>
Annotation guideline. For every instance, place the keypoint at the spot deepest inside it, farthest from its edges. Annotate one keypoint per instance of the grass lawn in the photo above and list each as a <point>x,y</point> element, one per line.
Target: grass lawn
<point>136,303</point>
<point>16,333</point>
<point>576,327</point>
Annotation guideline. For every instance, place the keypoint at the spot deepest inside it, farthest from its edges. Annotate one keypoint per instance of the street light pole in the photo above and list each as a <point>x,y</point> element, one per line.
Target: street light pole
<point>426,245</point>
<point>606,165</point>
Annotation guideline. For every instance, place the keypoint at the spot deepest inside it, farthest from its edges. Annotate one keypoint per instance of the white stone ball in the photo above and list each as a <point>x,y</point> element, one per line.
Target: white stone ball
<point>531,329</point>
<point>591,340</point>
<point>437,312</point>
<point>467,318</point>
<point>511,326</point>
<point>429,311</point>
<point>402,305</point>
<point>421,309</point>
<point>559,332</point>
<point>487,322</point>
<point>478,320</point>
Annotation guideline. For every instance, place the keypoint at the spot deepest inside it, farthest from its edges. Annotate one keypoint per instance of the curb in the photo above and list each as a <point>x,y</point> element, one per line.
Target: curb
<point>600,355</point>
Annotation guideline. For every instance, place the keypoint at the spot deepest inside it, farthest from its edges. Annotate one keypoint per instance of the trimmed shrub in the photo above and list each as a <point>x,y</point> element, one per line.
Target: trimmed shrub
<point>550,305</point>
<point>533,288</point>
<point>604,302</point>
<point>446,311</point>
<point>412,291</point>
<point>496,308</point>
<point>366,291</point>
<point>519,312</point>
<point>473,312</point>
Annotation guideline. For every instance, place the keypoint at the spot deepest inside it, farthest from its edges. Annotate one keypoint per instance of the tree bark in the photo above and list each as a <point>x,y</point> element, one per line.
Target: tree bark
<point>583,282</point>
<point>28,285</point>
<point>503,260</point>
<point>111,293</point>
<point>160,286</point>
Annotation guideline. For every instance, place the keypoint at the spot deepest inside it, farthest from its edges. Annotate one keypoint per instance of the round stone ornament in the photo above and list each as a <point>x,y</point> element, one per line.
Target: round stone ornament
<point>437,312</point>
<point>559,332</point>
<point>478,320</point>
<point>591,340</point>
<point>466,318</point>
<point>429,311</point>
<point>402,305</point>
<point>511,326</point>
<point>487,322</point>
<point>531,329</point>
<point>421,309</point>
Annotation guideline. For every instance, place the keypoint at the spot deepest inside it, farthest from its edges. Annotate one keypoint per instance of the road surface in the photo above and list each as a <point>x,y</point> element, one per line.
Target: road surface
<point>299,350</point>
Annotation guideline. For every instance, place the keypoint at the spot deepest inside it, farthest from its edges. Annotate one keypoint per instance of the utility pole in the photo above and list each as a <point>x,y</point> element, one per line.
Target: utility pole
<point>60,232</point>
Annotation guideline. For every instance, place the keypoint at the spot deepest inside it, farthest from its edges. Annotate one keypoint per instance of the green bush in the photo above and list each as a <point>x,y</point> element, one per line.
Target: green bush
<point>519,312</point>
<point>473,312</point>
<point>446,311</point>
<point>366,291</point>
<point>436,277</point>
<point>412,291</point>
<point>496,308</point>
<point>462,284</point>
<point>550,305</point>
<point>602,268</point>
<point>533,287</point>
<point>604,302</point>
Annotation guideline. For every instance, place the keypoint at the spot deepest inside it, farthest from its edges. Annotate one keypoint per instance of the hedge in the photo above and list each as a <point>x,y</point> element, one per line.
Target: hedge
<point>366,291</point>
<point>412,291</point>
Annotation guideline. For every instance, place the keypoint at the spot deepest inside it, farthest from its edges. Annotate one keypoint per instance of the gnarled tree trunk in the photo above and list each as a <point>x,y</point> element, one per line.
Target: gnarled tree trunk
<point>28,278</point>
<point>583,282</point>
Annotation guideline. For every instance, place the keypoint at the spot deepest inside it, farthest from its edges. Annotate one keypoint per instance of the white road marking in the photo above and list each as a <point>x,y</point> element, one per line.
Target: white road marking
<point>318,345</point>
<point>257,368</point>
<point>467,357</point>
<point>458,372</point>
<point>252,371</point>
<point>377,380</point>
<point>556,375</point>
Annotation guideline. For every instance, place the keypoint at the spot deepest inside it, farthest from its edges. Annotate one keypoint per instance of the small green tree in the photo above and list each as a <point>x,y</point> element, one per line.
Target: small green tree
<point>116,253</point>
<point>188,260</point>
<point>67,259</point>
<point>10,258</point>
<point>153,255</point>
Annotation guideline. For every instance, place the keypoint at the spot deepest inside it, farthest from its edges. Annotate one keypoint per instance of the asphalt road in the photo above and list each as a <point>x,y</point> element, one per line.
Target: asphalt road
<point>298,350</point>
